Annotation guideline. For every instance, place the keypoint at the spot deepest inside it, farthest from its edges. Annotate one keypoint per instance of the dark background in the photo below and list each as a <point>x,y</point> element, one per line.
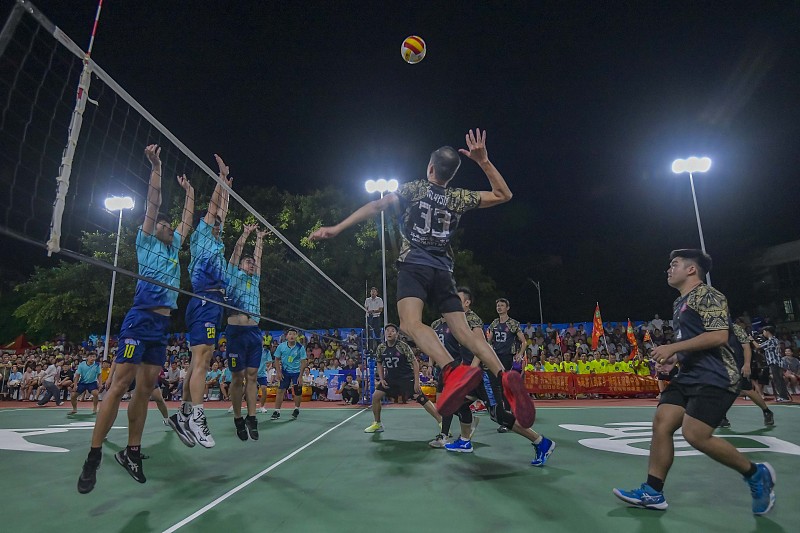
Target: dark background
<point>586,107</point>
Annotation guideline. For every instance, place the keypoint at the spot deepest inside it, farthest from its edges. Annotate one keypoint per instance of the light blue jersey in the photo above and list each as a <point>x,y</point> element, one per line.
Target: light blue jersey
<point>207,267</point>
<point>227,376</point>
<point>158,261</point>
<point>89,373</point>
<point>290,357</point>
<point>266,357</point>
<point>243,291</point>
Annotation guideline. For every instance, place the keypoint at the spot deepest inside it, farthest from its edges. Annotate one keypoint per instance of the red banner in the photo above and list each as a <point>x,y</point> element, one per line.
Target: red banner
<point>613,384</point>
<point>632,341</point>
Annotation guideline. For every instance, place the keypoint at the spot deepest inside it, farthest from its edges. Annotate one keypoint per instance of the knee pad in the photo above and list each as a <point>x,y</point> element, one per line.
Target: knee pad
<point>422,399</point>
<point>504,418</point>
<point>464,414</point>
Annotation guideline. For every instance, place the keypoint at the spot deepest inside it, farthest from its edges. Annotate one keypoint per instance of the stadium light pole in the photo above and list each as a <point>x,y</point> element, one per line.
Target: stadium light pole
<point>692,165</point>
<point>538,286</point>
<point>382,186</point>
<point>115,203</point>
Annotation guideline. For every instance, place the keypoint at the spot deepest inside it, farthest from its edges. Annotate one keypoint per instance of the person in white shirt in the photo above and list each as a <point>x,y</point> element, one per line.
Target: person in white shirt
<point>657,323</point>
<point>49,378</point>
<point>374,306</point>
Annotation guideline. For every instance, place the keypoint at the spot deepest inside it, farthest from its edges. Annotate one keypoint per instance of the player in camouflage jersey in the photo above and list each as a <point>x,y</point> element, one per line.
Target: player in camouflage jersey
<point>398,375</point>
<point>506,334</point>
<point>746,384</point>
<point>430,215</point>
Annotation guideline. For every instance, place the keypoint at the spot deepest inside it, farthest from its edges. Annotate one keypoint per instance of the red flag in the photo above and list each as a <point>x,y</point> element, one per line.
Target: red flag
<point>597,327</point>
<point>632,340</point>
<point>647,337</point>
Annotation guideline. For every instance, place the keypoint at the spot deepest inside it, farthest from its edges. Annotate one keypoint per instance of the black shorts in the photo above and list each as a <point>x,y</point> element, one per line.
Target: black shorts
<point>667,376</point>
<point>764,376</point>
<point>746,384</point>
<point>397,388</point>
<point>706,403</point>
<point>431,285</point>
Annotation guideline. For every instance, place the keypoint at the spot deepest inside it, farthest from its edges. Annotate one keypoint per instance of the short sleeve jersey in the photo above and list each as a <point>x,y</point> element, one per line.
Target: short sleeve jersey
<point>89,373</point>
<point>266,357</point>
<point>447,338</point>
<point>430,216</point>
<point>243,291</point>
<point>290,356</point>
<point>705,309</point>
<point>207,267</point>
<point>504,336</point>
<point>158,261</point>
<point>397,361</point>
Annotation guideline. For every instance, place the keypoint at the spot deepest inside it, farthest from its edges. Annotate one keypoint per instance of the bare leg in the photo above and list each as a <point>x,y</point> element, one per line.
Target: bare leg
<point>236,391</point>
<point>95,399</point>
<point>279,399</point>
<point>251,390</point>
<point>701,436</point>
<point>377,397</point>
<point>158,397</point>
<point>137,408</point>
<point>473,341</point>
<point>662,448</point>
<point>194,385</point>
<point>757,399</point>
<point>105,419</point>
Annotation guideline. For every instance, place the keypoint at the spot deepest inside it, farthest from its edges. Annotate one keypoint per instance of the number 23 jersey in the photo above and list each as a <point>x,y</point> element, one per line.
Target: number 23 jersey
<point>430,216</point>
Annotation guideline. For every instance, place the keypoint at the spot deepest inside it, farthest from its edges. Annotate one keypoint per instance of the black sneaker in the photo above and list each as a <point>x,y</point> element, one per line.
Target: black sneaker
<point>275,415</point>
<point>502,429</point>
<point>88,476</point>
<point>241,431</point>
<point>724,423</point>
<point>252,427</point>
<point>295,414</point>
<point>769,418</point>
<point>131,464</point>
<point>178,423</point>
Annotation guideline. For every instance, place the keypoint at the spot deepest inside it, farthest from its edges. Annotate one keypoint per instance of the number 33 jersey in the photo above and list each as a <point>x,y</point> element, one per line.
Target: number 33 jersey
<point>430,216</point>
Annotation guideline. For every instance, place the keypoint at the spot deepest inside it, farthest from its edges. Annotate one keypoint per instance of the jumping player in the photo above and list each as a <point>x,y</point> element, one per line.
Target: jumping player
<point>143,338</point>
<point>430,215</point>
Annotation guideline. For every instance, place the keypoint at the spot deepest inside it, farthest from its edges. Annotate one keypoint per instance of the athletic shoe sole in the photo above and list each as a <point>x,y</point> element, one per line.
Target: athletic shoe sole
<point>517,395</point>
<point>458,384</point>
<point>178,429</point>
<point>654,506</point>
<point>459,450</point>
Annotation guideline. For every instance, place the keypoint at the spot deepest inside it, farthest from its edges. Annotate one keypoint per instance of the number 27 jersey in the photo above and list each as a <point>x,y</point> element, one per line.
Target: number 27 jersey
<point>431,214</point>
<point>397,361</point>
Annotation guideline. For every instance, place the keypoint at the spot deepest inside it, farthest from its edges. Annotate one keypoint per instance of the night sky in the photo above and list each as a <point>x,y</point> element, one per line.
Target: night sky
<point>586,107</point>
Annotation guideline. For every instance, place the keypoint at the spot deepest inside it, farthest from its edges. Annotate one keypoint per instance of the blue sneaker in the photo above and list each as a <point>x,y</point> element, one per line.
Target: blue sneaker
<point>645,496</point>
<point>543,451</point>
<point>761,488</point>
<point>459,445</point>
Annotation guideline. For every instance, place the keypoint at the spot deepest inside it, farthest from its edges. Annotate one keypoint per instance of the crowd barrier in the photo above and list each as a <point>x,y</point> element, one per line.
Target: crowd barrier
<point>612,384</point>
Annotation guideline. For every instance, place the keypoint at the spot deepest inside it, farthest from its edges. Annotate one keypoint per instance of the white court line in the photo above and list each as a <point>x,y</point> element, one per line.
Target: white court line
<point>254,478</point>
<point>20,409</point>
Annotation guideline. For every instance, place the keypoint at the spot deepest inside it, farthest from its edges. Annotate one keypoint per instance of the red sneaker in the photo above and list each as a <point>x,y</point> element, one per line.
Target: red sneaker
<point>458,382</point>
<point>518,398</point>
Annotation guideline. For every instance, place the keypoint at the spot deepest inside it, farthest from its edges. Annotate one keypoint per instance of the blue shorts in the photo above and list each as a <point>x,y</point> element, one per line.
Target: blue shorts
<point>204,319</point>
<point>288,379</point>
<point>86,387</point>
<point>244,347</point>
<point>262,382</point>
<point>143,338</point>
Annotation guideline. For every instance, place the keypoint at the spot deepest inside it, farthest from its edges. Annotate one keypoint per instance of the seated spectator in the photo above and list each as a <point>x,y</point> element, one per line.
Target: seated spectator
<point>792,370</point>
<point>225,383</point>
<point>320,387</point>
<point>212,378</point>
<point>14,383</point>
<point>307,378</point>
<point>171,381</point>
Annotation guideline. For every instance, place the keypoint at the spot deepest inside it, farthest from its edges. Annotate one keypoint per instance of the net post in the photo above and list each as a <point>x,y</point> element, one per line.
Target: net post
<point>10,26</point>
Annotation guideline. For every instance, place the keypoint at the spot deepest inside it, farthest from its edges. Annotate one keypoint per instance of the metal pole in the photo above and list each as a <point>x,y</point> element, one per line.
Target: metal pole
<point>113,284</point>
<point>537,284</point>
<point>383,266</point>
<point>699,226</point>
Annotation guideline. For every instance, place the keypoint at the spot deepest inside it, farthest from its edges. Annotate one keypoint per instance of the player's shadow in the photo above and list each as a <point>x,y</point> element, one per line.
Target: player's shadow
<point>82,416</point>
<point>138,523</point>
<point>649,520</point>
<point>733,433</point>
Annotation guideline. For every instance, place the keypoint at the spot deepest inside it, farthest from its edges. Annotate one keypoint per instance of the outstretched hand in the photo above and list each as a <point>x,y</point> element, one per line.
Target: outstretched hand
<point>250,228</point>
<point>224,170</point>
<point>326,232</point>
<point>476,146</point>
<point>153,153</point>
<point>183,181</point>
<point>261,233</point>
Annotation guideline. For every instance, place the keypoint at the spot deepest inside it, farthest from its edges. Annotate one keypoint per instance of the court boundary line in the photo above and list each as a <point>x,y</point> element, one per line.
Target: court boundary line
<point>244,484</point>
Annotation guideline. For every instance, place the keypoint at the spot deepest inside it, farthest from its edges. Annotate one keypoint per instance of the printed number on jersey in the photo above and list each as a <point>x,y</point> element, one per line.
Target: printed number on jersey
<point>436,221</point>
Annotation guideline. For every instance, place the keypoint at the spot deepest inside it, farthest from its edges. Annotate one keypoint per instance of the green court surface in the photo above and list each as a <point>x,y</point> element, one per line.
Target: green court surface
<point>322,473</point>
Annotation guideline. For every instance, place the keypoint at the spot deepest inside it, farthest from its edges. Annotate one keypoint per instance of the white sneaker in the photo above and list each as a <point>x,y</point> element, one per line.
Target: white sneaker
<point>230,410</point>
<point>198,426</point>
<point>262,410</point>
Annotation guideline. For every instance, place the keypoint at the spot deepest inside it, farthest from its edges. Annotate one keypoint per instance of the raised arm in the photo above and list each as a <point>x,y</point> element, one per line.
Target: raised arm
<point>188,208</point>
<point>476,150</point>
<point>237,250</point>
<point>362,213</point>
<point>153,153</point>
<point>259,249</point>
<point>216,206</point>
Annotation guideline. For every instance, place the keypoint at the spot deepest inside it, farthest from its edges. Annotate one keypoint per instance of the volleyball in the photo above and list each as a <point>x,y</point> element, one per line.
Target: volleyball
<point>413,49</point>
